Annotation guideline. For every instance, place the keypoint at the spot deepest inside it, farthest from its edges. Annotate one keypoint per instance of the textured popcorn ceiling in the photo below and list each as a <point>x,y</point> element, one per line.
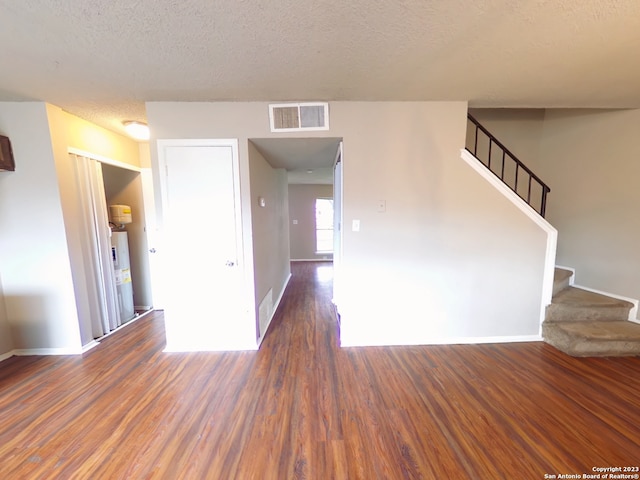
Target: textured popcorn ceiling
<point>102,59</point>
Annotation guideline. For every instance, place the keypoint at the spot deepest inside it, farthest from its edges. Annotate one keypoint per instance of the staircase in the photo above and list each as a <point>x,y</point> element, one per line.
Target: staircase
<point>585,324</point>
<point>578,322</point>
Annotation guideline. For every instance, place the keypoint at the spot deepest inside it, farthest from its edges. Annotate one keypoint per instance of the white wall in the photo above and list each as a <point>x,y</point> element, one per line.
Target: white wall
<point>450,259</point>
<point>34,259</point>
<point>302,207</point>
<point>591,158</point>
<point>269,229</point>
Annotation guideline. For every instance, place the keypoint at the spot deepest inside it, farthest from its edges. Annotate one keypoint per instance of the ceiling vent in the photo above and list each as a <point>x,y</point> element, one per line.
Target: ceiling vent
<point>297,117</point>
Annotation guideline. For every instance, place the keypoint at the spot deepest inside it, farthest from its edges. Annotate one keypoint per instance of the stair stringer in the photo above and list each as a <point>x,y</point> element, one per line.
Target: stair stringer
<point>550,230</point>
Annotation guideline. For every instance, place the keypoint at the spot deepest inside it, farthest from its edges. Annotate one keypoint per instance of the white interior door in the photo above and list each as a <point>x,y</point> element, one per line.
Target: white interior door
<point>205,300</point>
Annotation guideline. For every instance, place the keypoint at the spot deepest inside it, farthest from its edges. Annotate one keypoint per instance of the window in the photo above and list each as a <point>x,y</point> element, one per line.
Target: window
<point>324,225</point>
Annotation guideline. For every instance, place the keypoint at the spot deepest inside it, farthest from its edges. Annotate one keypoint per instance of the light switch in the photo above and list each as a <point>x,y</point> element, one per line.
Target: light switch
<point>355,225</point>
<point>382,206</point>
<point>295,222</point>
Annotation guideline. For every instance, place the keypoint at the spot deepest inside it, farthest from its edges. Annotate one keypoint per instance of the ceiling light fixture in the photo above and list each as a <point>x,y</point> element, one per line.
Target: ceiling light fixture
<point>137,130</point>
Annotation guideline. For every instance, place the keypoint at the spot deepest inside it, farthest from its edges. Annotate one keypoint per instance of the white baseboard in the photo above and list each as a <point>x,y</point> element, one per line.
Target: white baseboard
<point>455,341</point>
<point>24,352</point>
<point>4,356</point>
<point>92,344</point>
<point>27,352</point>
<point>276,304</point>
<point>124,325</point>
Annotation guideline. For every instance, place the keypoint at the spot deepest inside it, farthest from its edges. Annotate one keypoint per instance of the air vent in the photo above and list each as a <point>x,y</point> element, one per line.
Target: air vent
<point>296,117</point>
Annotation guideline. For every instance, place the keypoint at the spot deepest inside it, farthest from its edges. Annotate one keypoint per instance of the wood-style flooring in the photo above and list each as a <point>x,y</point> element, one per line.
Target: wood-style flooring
<point>303,408</point>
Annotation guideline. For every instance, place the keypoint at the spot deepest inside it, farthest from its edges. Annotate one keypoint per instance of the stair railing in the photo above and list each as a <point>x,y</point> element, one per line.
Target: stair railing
<point>507,167</point>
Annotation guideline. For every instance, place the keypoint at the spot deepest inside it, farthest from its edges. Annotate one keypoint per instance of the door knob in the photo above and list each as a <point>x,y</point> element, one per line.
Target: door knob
<point>152,250</point>
<point>229,263</point>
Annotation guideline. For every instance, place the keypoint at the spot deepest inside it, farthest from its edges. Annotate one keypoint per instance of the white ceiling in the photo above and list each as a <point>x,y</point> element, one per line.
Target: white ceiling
<point>101,60</point>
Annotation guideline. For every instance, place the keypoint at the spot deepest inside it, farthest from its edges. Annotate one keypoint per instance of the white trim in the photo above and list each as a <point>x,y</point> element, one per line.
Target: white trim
<point>126,324</point>
<point>92,344</point>
<point>456,341</point>
<point>632,313</point>
<point>101,159</point>
<point>25,352</point>
<point>4,356</point>
<point>552,233</point>
<point>47,351</point>
<point>572,278</point>
<point>274,310</point>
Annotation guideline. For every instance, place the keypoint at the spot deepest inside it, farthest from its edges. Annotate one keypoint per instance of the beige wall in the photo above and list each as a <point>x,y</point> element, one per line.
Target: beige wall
<point>440,262</point>
<point>591,158</point>
<point>270,229</point>
<point>449,260</point>
<point>302,204</point>
<point>519,129</point>
<point>44,303</point>
<point>586,157</point>
<point>34,257</point>
<point>68,131</point>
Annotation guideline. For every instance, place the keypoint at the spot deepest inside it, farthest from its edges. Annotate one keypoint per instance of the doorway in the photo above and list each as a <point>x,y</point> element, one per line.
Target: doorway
<point>101,182</point>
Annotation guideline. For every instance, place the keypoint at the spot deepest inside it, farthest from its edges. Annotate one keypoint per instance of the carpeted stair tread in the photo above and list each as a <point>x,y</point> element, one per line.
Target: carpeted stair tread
<point>594,338</point>
<point>572,296</point>
<point>574,304</point>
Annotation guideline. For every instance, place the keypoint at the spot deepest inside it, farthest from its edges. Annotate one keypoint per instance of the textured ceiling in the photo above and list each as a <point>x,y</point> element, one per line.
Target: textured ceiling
<point>101,60</point>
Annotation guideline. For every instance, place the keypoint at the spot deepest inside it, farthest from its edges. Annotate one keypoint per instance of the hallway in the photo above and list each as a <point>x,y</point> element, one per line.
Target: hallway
<point>303,408</point>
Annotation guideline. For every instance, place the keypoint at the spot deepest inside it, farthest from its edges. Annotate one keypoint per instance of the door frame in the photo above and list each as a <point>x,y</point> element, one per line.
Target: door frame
<point>338,200</point>
<point>103,290</point>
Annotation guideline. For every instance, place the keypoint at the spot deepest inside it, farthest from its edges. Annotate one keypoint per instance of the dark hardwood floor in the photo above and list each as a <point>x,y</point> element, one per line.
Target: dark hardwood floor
<point>302,408</point>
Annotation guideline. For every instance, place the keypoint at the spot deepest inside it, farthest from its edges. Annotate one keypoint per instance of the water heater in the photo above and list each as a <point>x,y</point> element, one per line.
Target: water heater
<point>120,214</point>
